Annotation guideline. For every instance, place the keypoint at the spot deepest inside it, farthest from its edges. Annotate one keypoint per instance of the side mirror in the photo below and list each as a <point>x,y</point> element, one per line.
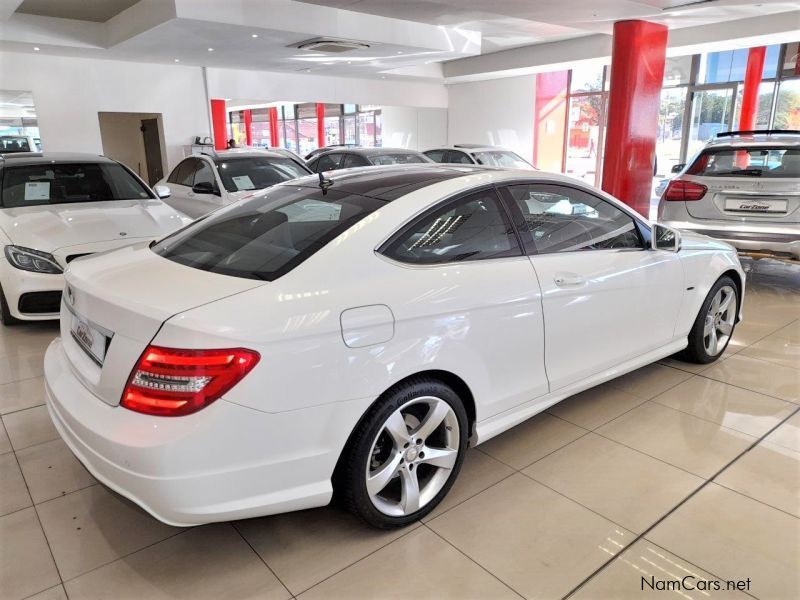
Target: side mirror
<point>678,168</point>
<point>204,187</point>
<point>162,191</point>
<point>665,238</point>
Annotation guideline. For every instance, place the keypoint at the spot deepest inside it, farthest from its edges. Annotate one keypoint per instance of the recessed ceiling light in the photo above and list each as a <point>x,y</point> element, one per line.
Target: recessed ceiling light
<point>177,60</point>
<point>399,51</point>
<point>36,48</point>
<point>210,49</point>
<point>308,70</point>
<point>383,76</point>
<point>253,35</point>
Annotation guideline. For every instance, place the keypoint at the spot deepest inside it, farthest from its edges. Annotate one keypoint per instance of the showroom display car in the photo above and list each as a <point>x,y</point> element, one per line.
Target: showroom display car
<point>55,208</point>
<point>478,154</point>
<point>204,182</point>
<point>354,333</point>
<point>744,188</point>
<point>350,157</point>
<point>12,144</point>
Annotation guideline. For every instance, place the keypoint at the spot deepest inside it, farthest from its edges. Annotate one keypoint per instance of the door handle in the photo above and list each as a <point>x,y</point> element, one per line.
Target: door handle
<point>568,279</point>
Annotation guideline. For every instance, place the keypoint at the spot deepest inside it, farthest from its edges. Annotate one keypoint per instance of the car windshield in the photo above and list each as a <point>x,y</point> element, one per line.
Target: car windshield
<point>501,158</point>
<point>13,143</point>
<point>257,172</point>
<point>397,158</point>
<point>62,183</point>
<point>767,162</point>
<point>266,236</point>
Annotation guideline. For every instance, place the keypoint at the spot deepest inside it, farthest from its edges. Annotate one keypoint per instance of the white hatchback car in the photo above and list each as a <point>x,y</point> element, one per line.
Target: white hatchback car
<point>204,182</point>
<point>58,207</point>
<point>355,334</point>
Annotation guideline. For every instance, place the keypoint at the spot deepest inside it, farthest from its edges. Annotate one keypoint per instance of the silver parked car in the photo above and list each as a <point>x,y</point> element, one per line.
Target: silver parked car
<point>744,188</point>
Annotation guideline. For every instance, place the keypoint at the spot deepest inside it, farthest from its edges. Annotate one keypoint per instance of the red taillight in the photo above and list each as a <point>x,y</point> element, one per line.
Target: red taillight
<point>170,382</point>
<point>684,191</point>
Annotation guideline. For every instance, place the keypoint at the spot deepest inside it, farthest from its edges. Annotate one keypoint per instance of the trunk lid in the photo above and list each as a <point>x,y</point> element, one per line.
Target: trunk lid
<point>752,199</point>
<point>114,304</point>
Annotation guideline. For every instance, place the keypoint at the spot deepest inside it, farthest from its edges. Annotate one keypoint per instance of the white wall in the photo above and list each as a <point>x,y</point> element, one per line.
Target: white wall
<point>499,112</point>
<point>69,92</point>
<point>414,128</point>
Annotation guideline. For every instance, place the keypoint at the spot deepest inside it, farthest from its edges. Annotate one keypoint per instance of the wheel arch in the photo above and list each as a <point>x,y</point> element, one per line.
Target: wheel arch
<point>737,280</point>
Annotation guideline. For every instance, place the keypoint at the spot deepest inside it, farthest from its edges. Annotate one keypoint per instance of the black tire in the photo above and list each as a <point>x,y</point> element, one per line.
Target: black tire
<point>350,479</point>
<point>696,351</point>
<point>5,314</point>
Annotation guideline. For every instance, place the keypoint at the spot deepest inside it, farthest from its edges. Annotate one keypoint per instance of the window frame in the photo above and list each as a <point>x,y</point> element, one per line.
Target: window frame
<point>450,151</point>
<point>406,227</point>
<point>643,230</point>
<point>173,175</point>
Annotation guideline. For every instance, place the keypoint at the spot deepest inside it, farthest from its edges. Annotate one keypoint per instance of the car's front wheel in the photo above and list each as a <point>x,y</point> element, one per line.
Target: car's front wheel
<point>713,328</point>
<point>405,455</point>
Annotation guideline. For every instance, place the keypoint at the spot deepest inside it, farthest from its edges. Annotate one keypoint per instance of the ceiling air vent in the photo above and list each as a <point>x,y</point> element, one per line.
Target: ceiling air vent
<point>330,45</point>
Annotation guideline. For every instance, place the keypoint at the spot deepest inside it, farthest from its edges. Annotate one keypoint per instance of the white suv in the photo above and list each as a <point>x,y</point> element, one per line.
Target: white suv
<point>744,188</point>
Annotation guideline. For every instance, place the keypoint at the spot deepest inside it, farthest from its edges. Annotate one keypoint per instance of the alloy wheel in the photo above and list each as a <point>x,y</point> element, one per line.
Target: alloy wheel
<point>719,320</point>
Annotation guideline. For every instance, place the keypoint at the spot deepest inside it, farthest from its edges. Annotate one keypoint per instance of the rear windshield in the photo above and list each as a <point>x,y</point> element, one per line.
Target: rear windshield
<point>257,172</point>
<point>266,236</point>
<point>63,183</point>
<point>9,144</point>
<point>499,158</point>
<point>747,162</point>
<point>398,159</point>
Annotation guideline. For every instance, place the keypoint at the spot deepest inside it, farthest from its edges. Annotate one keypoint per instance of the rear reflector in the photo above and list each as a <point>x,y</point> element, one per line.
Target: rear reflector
<point>171,382</point>
<point>684,191</point>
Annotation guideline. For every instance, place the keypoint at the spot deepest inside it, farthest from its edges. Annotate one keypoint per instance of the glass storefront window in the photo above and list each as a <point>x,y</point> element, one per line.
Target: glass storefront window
<point>332,133</point>
<point>677,71</point>
<point>366,129</point>
<point>787,108</point>
<point>765,92</point>
<point>670,129</point>
<point>306,136</point>
<point>583,136</point>
<point>730,65</point>
<point>587,79</point>
<point>791,60</point>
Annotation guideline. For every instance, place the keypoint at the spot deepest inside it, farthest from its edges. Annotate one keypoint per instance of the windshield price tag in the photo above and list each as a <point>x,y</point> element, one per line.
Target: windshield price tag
<point>243,182</point>
<point>37,190</point>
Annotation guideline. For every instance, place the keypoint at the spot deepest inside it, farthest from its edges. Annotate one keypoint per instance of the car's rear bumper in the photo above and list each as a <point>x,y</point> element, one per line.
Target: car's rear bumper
<point>224,462</point>
<point>781,240</point>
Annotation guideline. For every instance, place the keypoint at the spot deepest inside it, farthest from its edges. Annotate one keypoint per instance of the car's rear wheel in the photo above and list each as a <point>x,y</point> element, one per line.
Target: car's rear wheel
<point>405,455</point>
<point>713,329</point>
<point>5,314</point>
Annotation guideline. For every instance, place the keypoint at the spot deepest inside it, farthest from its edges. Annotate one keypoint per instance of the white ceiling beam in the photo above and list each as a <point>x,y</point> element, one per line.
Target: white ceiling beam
<point>8,7</point>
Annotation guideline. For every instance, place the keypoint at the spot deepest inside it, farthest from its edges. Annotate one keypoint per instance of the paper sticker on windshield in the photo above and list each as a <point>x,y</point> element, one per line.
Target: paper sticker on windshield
<point>37,190</point>
<point>243,182</point>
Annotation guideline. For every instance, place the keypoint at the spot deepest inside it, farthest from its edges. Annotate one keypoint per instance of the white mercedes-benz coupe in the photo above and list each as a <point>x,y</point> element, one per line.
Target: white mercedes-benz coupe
<point>351,336</point>
<point>57,207</point>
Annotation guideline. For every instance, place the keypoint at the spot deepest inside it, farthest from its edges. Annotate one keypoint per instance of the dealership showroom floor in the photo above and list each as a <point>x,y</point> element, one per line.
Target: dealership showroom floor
<point>672,470</point>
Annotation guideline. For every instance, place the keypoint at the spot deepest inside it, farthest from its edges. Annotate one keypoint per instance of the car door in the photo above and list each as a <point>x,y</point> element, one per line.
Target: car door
<point>606,297</point>
<point>470,293</point>
<point>179,183</point>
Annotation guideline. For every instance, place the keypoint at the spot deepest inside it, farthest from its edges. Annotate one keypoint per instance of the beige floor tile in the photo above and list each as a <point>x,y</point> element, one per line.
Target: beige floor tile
<point>650,381</point>
<point>26,566</point>
<point>768,473</point>
<point>54,593</point>
<point>27,341</point>
<point>747,333</point>
<point>688,366</point>
<point>698,446</point>
<point>20,367</point>
<point>21,394</point>
<point>531,440</point>
<point>419,565</point>
<point>776,350</point>
<point>595,406</point>
<point>30,427</point>
<point>13,491</point>
<point>303,548</point>
<point>533,539</point>
<point>51,470</point>
<point>5,443</point>
<point>92,527</point>
<point>621,484</point>
<point>787,434</point>
<point>648,571</point>
<point>735,537</point>
<point>478,472</point>
<point>791,332</point>
<point>758,375</point>
<point>206,563</point>
<point>727,405</point>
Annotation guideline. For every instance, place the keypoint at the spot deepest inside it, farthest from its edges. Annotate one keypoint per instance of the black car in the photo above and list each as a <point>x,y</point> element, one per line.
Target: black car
<point>365,157</point>
<point>314,153</point>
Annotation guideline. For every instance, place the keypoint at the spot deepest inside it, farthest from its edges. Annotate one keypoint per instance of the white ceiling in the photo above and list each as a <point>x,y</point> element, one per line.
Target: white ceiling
<point>98,11</point>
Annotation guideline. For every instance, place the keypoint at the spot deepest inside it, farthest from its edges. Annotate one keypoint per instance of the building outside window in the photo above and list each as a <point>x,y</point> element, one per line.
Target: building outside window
<point>586,123</point>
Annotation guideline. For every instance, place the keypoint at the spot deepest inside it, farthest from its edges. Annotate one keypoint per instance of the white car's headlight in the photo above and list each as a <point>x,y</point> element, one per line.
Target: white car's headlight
<point>28,259</point>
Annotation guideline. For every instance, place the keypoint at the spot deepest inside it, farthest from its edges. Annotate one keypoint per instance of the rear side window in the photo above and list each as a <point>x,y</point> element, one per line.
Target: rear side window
<point>63,183</point>
<point>435,155</point>
<point>472,228</point>
<point>747,162</point>
<point>397,159</point>
<point>266,237</point>
<point>455,156</point>
<point>327,162</point>
<point>353,160</point>
<point>183,173</point>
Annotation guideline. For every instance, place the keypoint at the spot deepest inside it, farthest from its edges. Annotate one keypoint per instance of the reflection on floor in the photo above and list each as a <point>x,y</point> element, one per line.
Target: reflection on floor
<point>672,471</point>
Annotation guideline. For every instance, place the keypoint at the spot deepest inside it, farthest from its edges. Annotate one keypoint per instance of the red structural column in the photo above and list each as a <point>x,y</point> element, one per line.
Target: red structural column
<point>550,116</point>
<point>219,124</point>
<point>752,81</point>
<point>320,124</point>
<point>274,134</point>
<point>637,71</point>
<point>248,127</point>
